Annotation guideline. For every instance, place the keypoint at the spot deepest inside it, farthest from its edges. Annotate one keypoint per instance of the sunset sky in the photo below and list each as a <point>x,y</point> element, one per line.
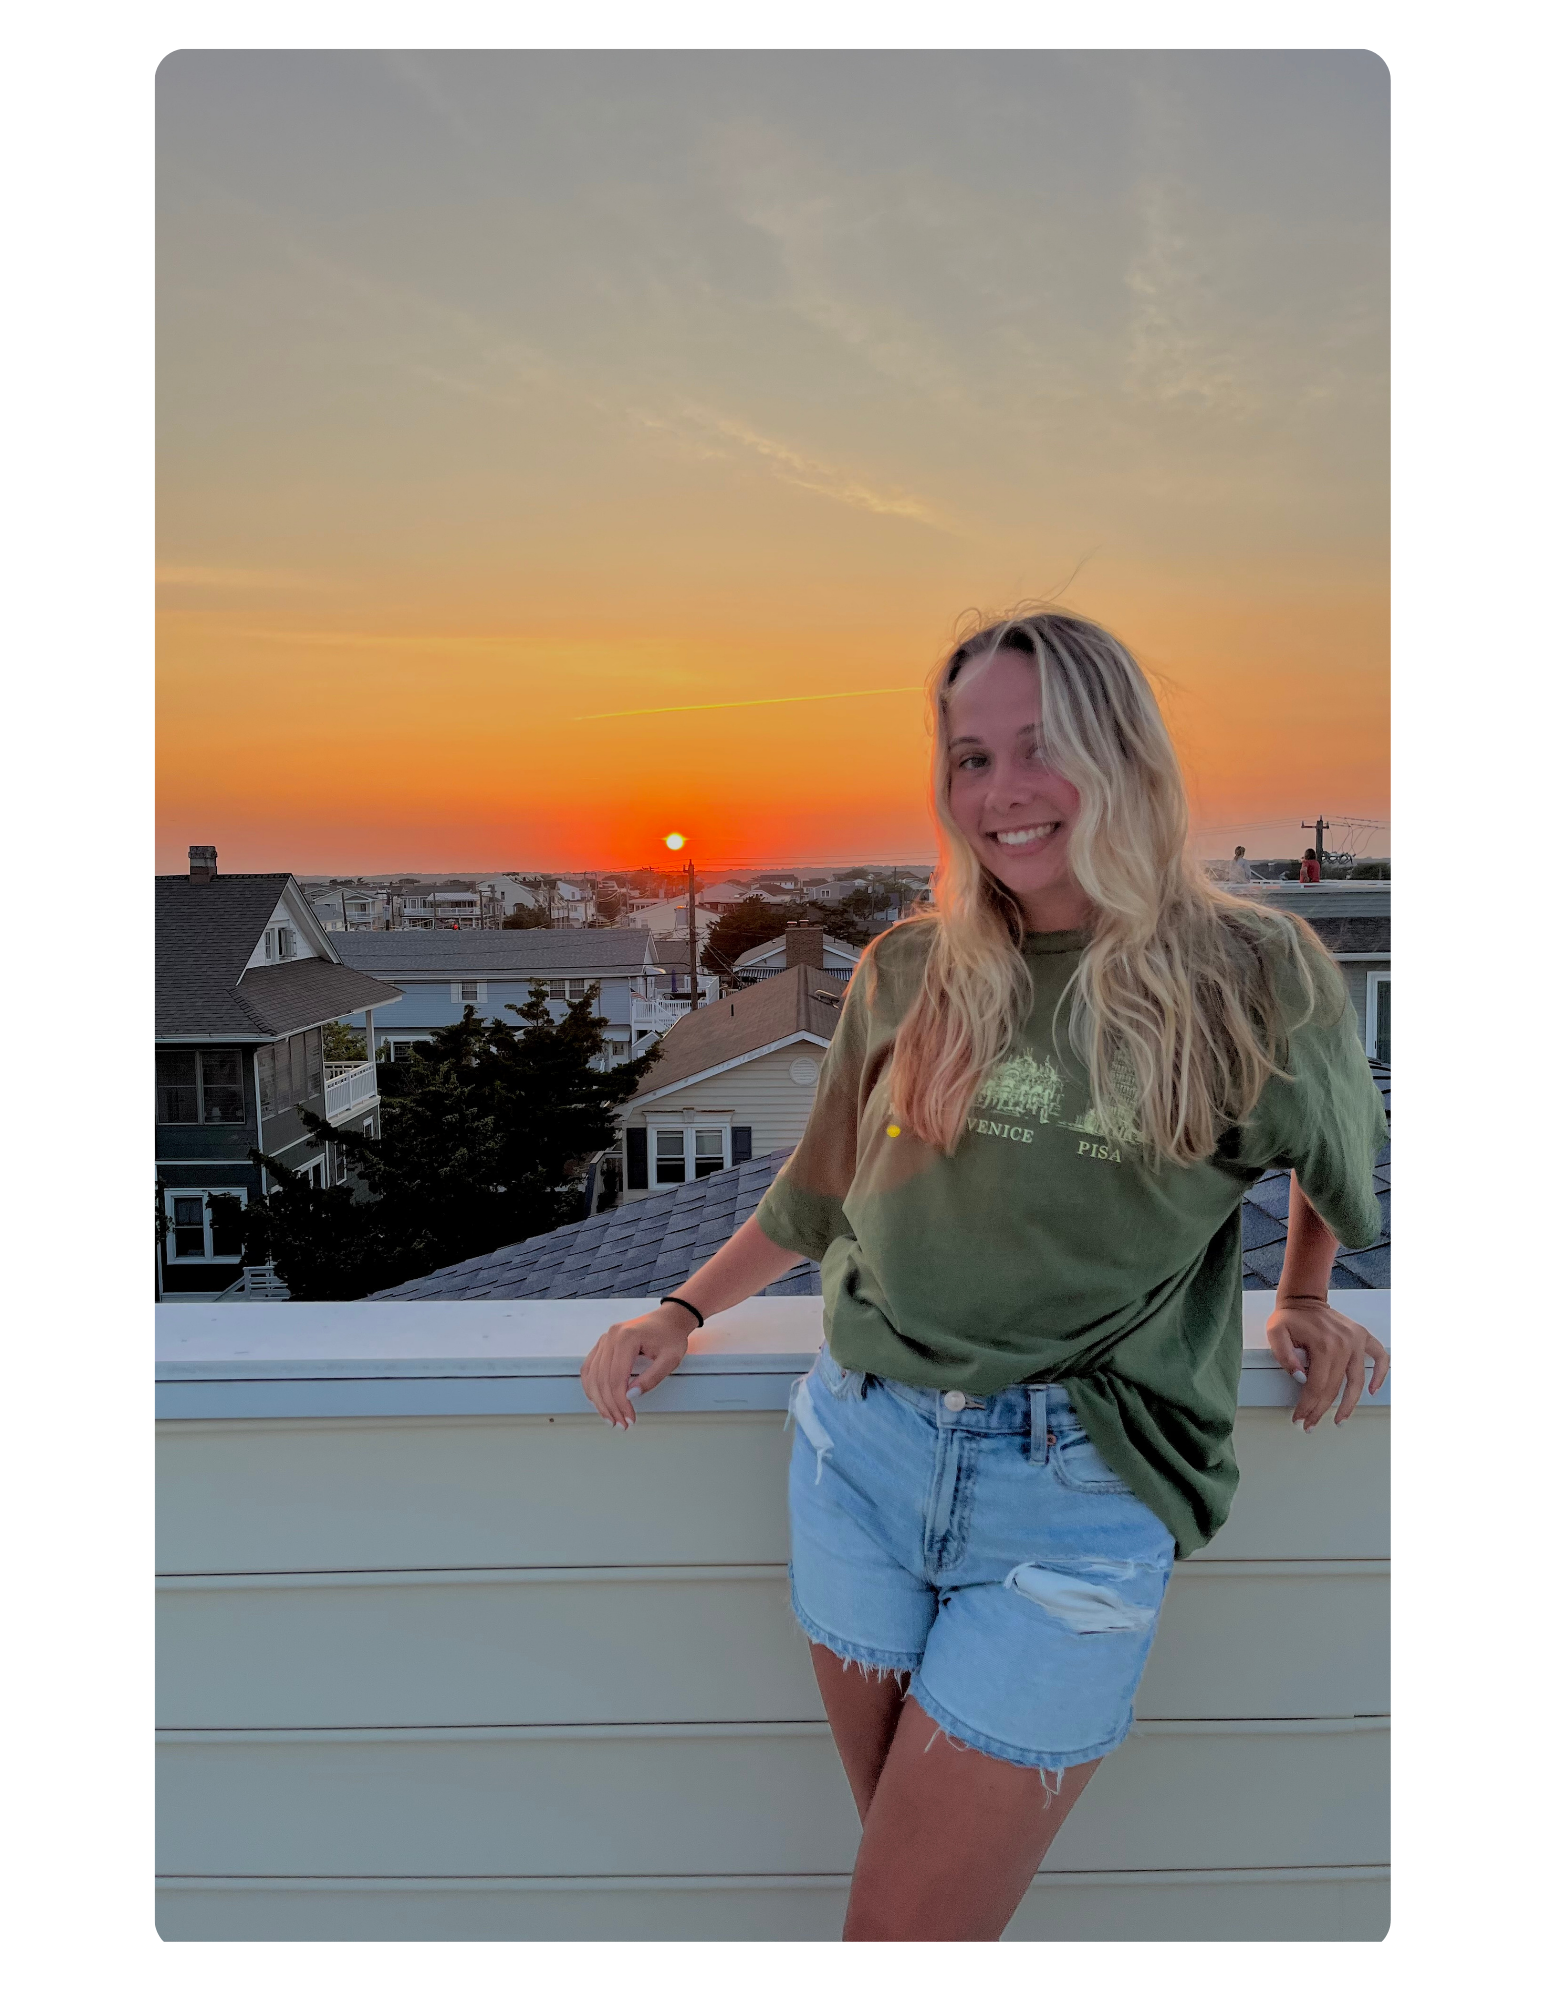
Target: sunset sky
<point>557,449</point>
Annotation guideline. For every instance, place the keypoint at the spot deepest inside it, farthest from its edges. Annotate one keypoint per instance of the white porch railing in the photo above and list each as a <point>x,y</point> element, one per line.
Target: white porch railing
<point>349,1087</point>
<point>257,1281</point>
<point>655,1016</point>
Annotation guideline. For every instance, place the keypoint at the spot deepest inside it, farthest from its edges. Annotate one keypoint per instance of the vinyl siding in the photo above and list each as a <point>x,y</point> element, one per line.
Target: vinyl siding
<point>759,1093</point>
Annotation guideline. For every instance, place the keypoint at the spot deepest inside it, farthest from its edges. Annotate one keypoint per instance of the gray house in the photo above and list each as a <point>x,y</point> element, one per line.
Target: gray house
<point>246,979</point>
<point>441,972</point>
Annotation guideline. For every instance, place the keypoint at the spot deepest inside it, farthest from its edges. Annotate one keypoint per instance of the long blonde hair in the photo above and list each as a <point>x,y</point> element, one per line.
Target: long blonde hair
<point>1173,1008</point>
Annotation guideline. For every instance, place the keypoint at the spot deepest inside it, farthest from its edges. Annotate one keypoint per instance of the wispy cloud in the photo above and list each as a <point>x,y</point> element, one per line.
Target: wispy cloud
<point>1176,353</point>
<point>193,576</point>
<point>707,433</point>
<point>760,701</point>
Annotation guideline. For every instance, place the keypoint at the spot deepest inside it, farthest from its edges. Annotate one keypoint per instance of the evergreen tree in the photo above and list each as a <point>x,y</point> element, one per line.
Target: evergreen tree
<point>484,1137</point>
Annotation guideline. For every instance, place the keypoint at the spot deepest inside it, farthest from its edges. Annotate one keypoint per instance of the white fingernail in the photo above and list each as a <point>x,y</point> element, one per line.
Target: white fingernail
<point>1299,1375</point>
<point>634,1390</point>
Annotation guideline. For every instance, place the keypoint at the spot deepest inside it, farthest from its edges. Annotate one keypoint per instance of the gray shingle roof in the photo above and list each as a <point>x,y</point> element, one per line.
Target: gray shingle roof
<point>206,932</point>
<point>646,1248</point>
<point>515,954</point>
<point>804,1000</point>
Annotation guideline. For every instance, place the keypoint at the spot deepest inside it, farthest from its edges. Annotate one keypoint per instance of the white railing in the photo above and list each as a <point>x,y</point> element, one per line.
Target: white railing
<point>257,1281</point>
<point>349,1086</point>
<point>659,1015</point>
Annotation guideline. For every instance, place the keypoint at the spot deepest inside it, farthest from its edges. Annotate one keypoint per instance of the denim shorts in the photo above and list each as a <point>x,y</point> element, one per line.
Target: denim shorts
<point>981,1546</point>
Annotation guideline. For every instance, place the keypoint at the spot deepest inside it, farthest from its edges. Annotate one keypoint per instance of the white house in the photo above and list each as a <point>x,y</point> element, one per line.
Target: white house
<point>734,1080</point>
<point>801,944</point>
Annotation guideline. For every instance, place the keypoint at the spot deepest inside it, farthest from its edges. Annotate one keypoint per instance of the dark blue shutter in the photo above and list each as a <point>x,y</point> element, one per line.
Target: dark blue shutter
<point>740,1144</point>
<point>638,1157</point>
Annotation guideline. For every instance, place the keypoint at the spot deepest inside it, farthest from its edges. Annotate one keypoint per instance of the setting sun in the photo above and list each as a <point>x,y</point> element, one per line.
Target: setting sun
<point>675,840</point>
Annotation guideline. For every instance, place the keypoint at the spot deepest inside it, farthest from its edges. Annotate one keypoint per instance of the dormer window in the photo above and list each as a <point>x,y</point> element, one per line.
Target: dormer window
<point>278,942</point>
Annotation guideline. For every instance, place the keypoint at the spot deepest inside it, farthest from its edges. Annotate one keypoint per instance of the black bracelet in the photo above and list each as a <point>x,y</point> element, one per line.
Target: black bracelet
<point>671,1299</point>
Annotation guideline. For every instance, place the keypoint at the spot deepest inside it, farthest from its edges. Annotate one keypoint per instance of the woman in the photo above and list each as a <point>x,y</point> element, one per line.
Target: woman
<point>1309,867</point>
<point>1021,1177</point>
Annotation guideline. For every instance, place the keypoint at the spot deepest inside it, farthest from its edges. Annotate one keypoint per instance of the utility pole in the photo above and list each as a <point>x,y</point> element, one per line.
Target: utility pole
<point>1319,840</point>
<point>692,928</point>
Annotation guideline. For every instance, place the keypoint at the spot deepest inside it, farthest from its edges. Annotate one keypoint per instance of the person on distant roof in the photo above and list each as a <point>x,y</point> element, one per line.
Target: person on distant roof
<point>1239,870</point>
<point>1021,1177</point>
<point>1309,867</point>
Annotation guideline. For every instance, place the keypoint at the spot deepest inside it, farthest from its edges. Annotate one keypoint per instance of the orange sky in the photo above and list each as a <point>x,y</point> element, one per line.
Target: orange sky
<point>499,393</point>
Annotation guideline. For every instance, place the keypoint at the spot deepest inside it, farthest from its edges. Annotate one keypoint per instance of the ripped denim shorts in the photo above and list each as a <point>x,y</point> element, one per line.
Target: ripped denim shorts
<point>985,1550</point>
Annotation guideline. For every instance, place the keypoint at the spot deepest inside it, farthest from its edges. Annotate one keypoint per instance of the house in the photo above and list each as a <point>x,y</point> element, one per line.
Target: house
<point>734,1081</point>
<point>801,944</point>
<point>439,972</point>
<point>647,1247</point>
<point>671,996</point>
<point>341,906</point>
<point>1352,921</point>
<point>463,905</point>
<point>834,892</point>
<point>665,917</point>
<point>246,979</point>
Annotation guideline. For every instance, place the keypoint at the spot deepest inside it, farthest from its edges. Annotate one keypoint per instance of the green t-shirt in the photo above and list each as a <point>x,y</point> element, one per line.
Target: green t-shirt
<point>1046,1249</point>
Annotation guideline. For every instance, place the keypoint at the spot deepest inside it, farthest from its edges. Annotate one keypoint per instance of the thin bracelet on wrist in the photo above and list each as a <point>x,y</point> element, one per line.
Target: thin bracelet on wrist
<point>672,1299</point>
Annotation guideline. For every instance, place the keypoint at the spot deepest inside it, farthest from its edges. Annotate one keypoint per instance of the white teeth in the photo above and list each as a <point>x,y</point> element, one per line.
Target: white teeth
<point>1021,835</point>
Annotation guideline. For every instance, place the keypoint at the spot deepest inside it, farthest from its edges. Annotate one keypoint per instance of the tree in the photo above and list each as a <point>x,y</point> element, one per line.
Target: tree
<point>522,918</point>
<point>485,1135</point>
<point>742,927</point>
<point>341,1043</point>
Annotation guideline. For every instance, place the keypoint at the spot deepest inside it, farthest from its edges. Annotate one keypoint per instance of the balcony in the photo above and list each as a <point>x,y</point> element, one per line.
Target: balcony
<point>443,1657</point>
<point>656,1015</point>
<point>349,1087</point>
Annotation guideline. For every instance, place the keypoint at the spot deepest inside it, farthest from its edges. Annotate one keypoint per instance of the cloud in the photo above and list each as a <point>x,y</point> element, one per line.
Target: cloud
<point>706,432</point>
<point>192,576</point>
<point>1175,352</point>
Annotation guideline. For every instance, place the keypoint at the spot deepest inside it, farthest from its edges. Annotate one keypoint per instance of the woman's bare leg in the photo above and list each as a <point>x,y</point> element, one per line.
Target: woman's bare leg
<point>862,1708</point>
<point>952,1839</point>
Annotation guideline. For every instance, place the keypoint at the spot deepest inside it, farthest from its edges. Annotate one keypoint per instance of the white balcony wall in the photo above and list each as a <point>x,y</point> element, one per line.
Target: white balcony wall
<point>443,1657</point>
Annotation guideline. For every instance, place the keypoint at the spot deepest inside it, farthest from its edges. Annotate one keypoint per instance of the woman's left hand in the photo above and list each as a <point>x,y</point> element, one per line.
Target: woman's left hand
<point>1326,1352</point>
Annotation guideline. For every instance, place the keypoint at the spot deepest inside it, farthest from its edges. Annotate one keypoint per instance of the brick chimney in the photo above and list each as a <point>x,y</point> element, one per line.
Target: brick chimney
<point>804,944</point>
<point>201,864</point>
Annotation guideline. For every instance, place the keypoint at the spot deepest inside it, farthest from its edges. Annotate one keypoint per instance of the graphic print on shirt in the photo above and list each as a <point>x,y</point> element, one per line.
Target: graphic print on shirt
<point>1024,1091</point>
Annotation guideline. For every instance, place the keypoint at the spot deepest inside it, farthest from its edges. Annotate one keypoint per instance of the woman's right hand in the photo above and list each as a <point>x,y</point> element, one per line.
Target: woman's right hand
<point>660,1337</point>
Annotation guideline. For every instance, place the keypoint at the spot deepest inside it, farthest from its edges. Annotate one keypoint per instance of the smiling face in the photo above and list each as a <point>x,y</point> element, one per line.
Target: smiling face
<point>1014,810</point>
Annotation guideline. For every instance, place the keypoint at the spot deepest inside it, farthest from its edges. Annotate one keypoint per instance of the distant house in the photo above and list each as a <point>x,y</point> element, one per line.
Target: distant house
<point>440,972</point>
<point>801,944</point>
<point>834,892</point>
<point>1352,921</point>
<point>734,1080</point>
<point>246,979</point>
<point>346,907</point>
<point>650,1246</point>
<point>671,996</point>
<point>665,917</point>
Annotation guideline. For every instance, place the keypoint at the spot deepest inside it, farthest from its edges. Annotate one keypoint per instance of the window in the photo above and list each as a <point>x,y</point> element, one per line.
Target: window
<point>468,992</point>
<point>200,1087</point>
<point>278,942</point>
<point>289,1072</point>
<point>1376,1041</point>
<point>194,1235</point>
<point>690,1154</point>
